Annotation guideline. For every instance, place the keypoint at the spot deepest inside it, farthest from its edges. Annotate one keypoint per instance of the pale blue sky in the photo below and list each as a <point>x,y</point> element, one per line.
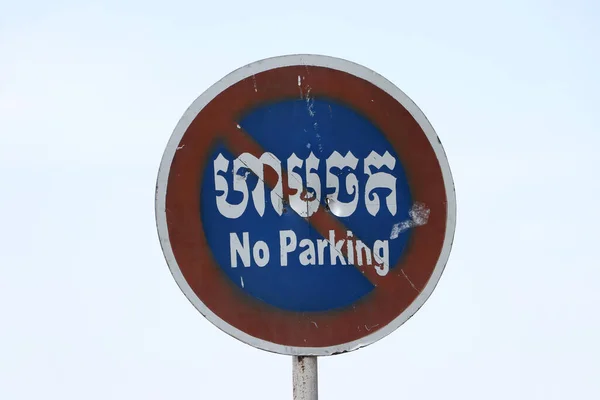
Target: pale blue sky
<point>90,93</point>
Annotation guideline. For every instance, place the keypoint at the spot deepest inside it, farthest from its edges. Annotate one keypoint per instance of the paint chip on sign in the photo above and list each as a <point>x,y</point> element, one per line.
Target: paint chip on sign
<point>419,215</point>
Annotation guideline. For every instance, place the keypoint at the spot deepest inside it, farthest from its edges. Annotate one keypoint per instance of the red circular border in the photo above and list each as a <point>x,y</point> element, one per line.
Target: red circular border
<point>393,294</point>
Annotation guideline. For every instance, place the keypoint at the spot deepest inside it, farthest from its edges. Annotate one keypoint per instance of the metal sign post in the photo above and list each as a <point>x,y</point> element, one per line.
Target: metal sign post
<point>305,378</point>
<point>305,206</point>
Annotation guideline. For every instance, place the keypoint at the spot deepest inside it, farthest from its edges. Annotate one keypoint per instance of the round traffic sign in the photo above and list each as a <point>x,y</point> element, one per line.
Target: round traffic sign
<point>305,205</point>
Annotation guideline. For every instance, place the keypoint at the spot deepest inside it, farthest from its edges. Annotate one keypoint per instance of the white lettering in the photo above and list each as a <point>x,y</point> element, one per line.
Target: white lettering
<point>350,244</point>
<point>228,210</point>
<point>308,256</point>
<point>321,245</point>
<point>335,249</point>
<point>312,251</point>
<point>287,244</point>
<point>380,180</point>
<point>300,201</point>
<point>359,255</point>
<point>261,253</point>
<point>257,166</point>
<point>381,253</point>
<point>305,184</point>
<point>236,248</point>
<point>336,161</point>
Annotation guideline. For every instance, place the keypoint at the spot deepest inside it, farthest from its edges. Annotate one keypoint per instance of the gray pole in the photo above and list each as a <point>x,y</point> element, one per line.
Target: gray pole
<point>305,378</point>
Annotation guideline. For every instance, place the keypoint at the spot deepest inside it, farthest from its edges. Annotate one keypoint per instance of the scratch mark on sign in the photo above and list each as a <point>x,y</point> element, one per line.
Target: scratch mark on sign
<point>242,281</point>
<point>310,103</point>
<point>254,81</point>
<point>315,324</point>
<point>300,86</point>
<point>318,135</point>
<point>419,215</point>
<point>181,147</point>
<point>409,281</point>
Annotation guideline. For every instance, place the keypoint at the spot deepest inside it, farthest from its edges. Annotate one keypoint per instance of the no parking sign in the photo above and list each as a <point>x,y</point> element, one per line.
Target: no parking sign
<point>305,205</point>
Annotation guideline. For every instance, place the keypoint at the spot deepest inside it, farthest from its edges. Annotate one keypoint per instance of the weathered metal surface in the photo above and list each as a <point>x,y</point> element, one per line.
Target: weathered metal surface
<point>305,378</point>
<point>305,205</point>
